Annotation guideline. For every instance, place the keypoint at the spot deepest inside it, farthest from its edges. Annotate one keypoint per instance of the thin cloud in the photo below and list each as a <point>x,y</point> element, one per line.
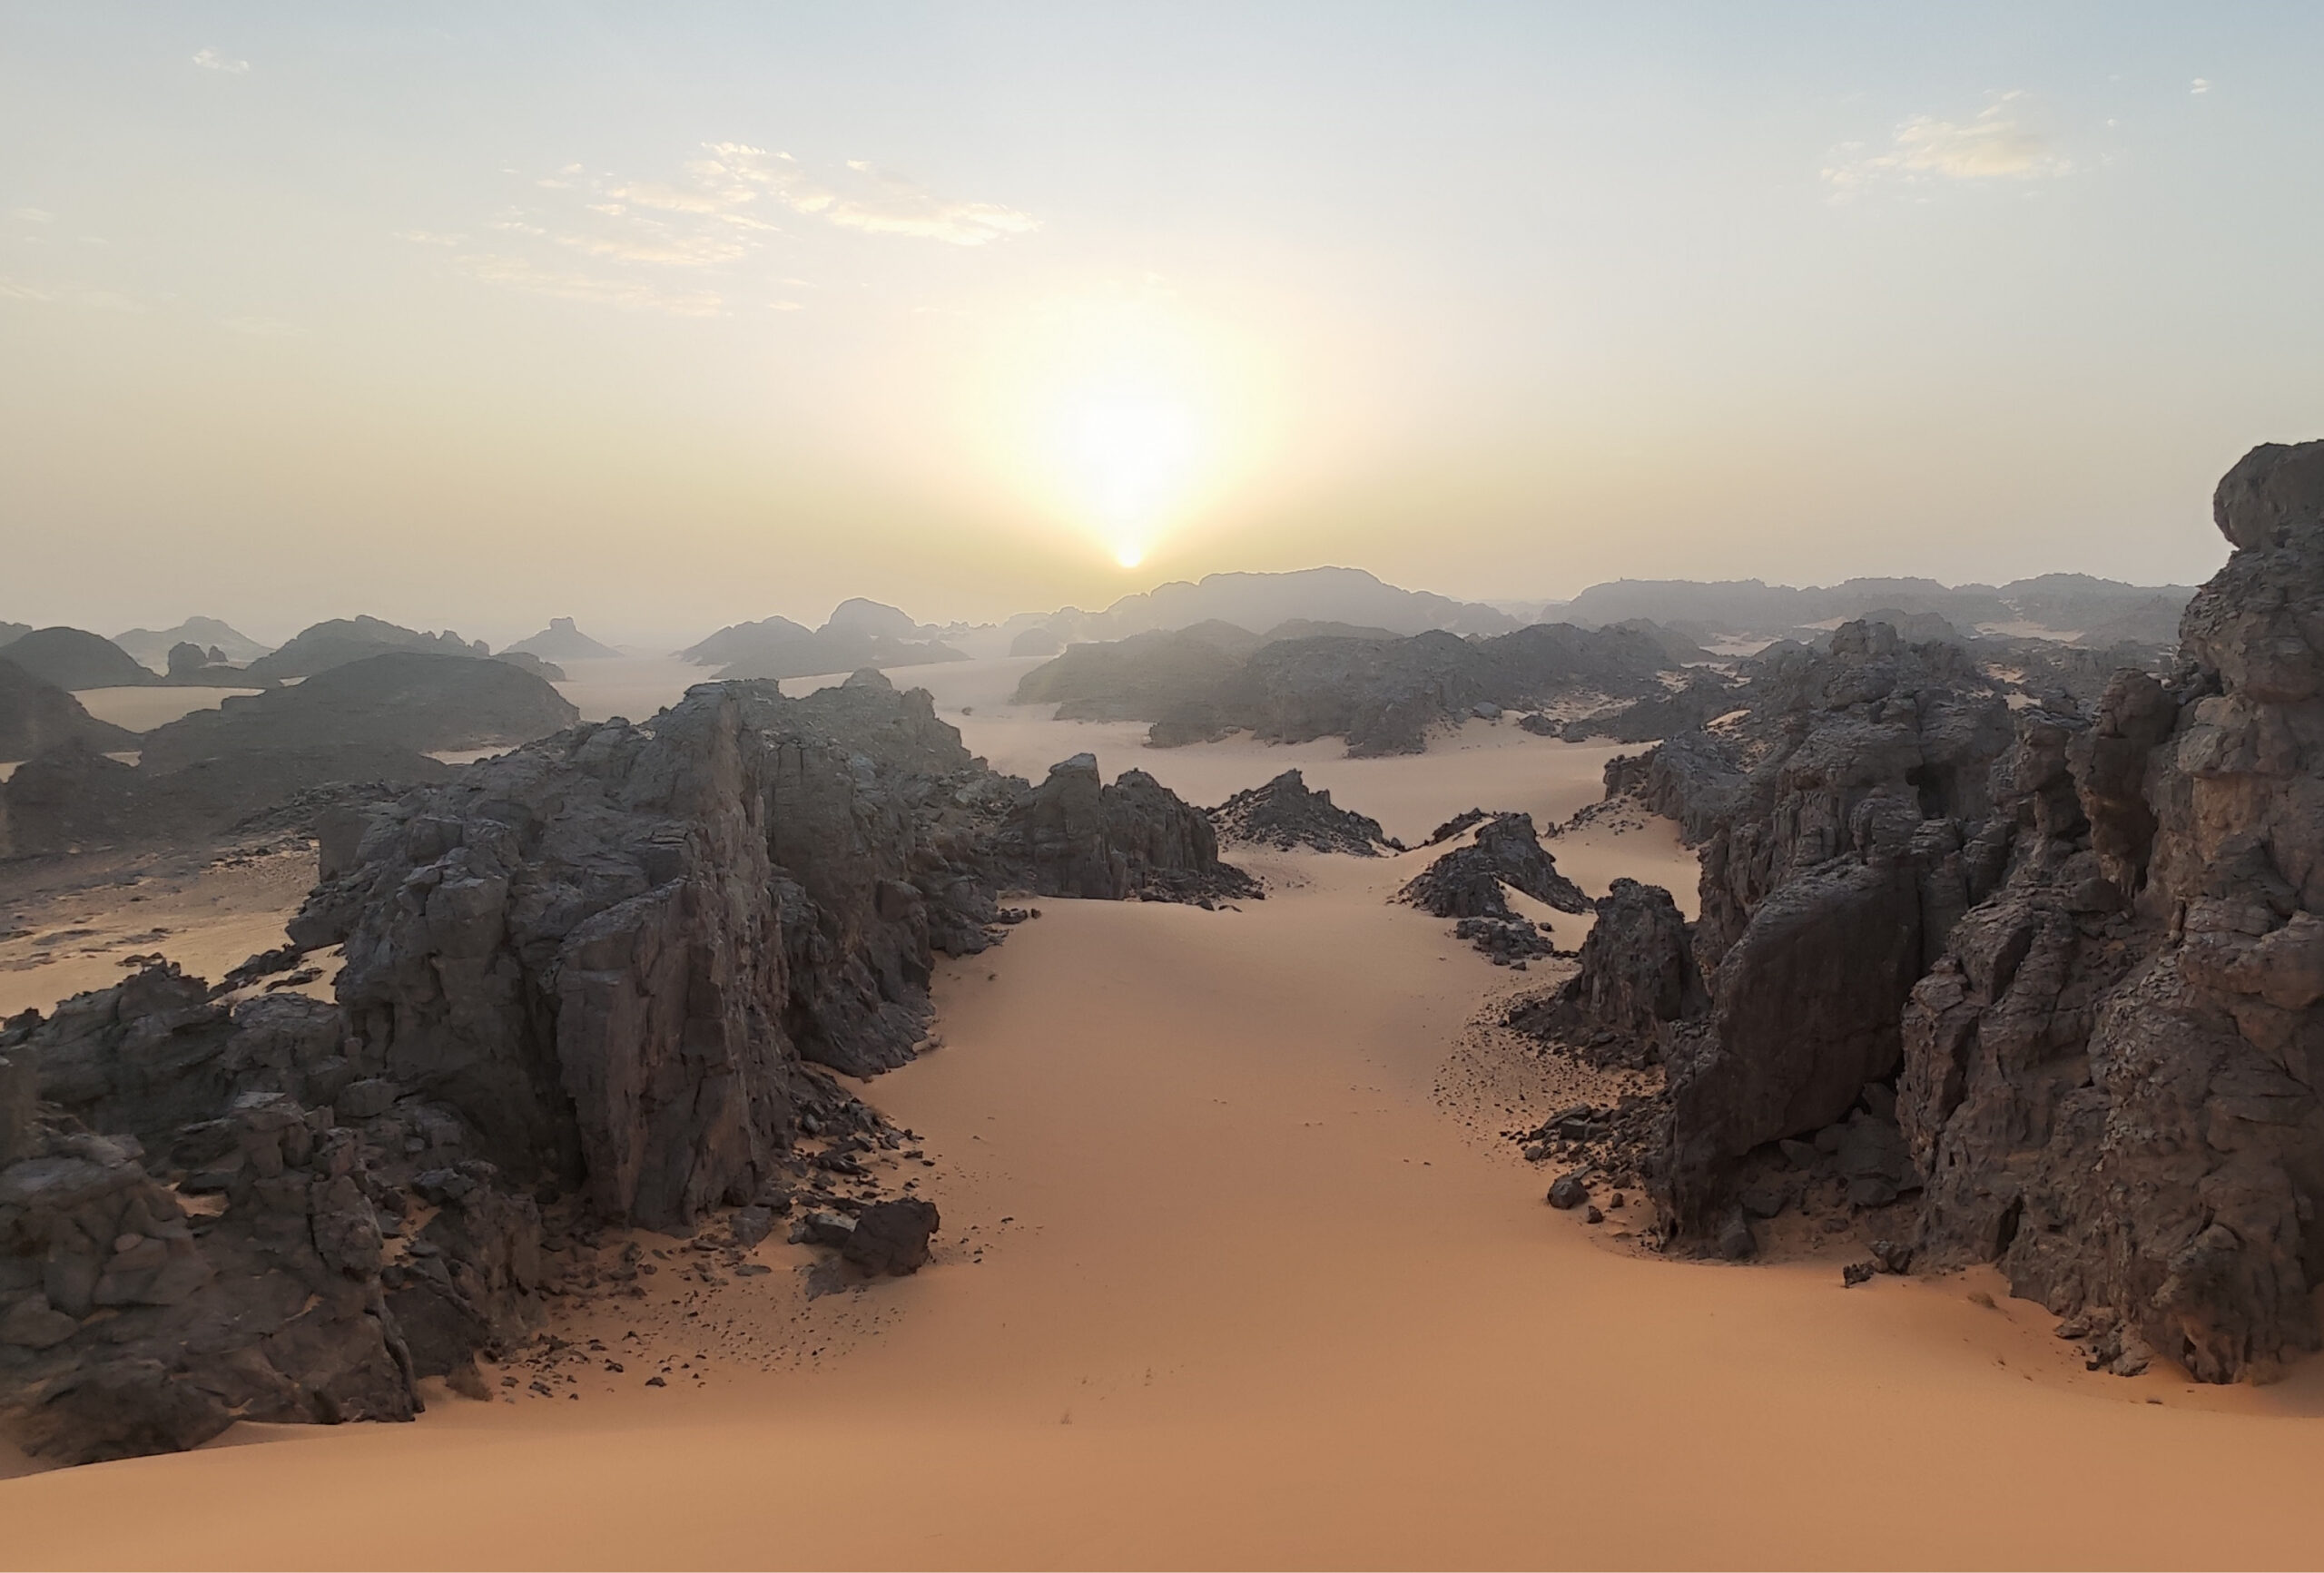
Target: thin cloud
<point>2202,86</point>
<point>211,60</point>
<point>1997,145</point>
<point>881,202</point>
<point>629,294</point>
<point>32,216</point>
<point>675,252</point>
<point>66,295</point>
<point>430,237</point>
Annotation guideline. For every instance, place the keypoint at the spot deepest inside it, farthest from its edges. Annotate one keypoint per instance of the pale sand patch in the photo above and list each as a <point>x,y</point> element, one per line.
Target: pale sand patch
<point>1258,1304</point>
<point>635,686</point>
<point>1484,764</point>
<point>72,932</point>
<point>143,709</point>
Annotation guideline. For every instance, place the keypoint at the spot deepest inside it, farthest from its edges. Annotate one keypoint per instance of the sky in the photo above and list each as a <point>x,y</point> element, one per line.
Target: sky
<point>668,317</point>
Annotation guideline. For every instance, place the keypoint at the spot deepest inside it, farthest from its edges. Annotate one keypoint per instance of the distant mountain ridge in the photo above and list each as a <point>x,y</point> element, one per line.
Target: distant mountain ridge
<point>2103,611</point>
<point>151,647</point>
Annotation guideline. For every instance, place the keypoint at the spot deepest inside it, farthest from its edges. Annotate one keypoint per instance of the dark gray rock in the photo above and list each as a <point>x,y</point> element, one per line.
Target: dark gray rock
<point>1286,813</point>
<point>1569,1191</point>
<point>1468,882</point>
<point>1638,979</point>
<point>1074,835</point>
<point>892,1237</point>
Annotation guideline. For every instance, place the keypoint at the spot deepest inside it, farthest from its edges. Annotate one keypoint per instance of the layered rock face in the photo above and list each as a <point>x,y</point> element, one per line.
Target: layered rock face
<point>1286,812</point>
<point>2110,1075</point>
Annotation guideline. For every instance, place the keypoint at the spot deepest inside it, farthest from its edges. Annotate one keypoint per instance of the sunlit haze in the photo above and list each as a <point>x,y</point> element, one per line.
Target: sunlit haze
<point>665,318</point>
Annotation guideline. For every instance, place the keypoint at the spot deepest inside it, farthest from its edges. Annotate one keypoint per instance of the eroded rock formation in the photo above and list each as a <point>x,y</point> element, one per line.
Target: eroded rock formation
<point>601,976</point>
<point>2110,1076</point>
<point>1637,981</point>
<point>1286,813</point>
<point>1473,881</point>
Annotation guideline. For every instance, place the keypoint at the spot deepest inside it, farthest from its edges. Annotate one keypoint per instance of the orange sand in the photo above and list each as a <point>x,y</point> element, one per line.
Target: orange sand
<point>1234,1274</point>
<point>1259,1301</point>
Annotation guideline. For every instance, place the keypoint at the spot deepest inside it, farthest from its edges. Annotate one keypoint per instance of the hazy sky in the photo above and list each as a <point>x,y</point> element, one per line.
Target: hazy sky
<point>665,317</point>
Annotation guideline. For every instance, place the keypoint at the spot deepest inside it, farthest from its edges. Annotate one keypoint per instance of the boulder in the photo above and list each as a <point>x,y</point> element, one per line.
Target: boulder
<point>892,1237</point>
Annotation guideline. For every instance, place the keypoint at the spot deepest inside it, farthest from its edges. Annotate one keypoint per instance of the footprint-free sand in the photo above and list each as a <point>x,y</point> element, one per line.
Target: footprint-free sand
<point>1235,1272</point>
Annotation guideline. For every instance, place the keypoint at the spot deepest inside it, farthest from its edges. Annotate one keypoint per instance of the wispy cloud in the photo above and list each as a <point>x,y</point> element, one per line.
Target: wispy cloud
<point>668,251</point>
<point>24,290</point>
<point>32,216</point>
<point>2200,86</point>
<point>876,202</point>
<point>211,60</point>
<point>709,219</point>
<point>630,294</point>
<point>1997,145</point>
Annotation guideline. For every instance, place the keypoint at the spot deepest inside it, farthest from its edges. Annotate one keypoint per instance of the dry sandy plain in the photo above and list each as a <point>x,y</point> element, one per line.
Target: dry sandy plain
<point>1235,1272</point>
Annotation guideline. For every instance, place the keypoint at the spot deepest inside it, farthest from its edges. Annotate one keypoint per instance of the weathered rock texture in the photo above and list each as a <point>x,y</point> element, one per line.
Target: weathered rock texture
<point>1469,881</point>
<point>1858,827</point>
<point>1286,813</point>
<point>606,970</point>
<point>2083,946</point>
<point>1638,981</point>
<point>235,1248</point>
<point>1073,835</point>
<point>2110,1077</point>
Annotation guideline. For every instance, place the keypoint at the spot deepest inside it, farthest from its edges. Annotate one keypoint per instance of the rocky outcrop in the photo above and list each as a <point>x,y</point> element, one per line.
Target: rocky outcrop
<point>2109,1075</point>
<point>562,639</point>
<point>404,699</point>
<point>1383,694</point>
<point>36,716</point>
<point>1637,981</point>
<point>1073,835</point>
<point>220,642</point>
<point>858,635</point>
<point>341,640</point>
<point>270,1232</point>
<point>73,659</point>
<point>1472,881</point>
<point>1846,822</point>
<point>73,799</point>
<point>1286,813</point>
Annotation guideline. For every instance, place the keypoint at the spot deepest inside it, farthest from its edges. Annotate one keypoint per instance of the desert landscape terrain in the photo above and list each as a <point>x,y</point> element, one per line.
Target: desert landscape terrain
<point>1236,1265</point>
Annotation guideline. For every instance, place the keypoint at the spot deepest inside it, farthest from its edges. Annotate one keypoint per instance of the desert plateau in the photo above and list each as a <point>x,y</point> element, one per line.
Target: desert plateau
<point>1259,787</point>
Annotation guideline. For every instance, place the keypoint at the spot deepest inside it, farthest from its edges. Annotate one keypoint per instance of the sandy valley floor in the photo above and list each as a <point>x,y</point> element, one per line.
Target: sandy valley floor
<point>1233,1273</point>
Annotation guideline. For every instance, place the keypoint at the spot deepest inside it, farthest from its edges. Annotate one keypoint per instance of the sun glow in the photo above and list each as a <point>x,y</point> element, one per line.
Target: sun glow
<point>1125,419</point>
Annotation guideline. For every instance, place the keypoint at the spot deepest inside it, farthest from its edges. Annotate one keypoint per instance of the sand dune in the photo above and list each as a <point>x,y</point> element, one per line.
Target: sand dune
<point>1235,1272</point>
<point>1250,1293</point>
